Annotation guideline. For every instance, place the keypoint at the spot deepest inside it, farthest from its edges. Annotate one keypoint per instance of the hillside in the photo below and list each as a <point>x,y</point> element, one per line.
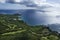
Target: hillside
<point>11,29</point>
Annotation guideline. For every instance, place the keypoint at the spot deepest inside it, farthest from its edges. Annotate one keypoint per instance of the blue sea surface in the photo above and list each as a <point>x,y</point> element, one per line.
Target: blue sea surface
<point>8,11</point>
<point>31,18</point>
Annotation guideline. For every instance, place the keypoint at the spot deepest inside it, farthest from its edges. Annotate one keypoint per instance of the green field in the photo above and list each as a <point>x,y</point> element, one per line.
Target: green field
<point>11,29</point>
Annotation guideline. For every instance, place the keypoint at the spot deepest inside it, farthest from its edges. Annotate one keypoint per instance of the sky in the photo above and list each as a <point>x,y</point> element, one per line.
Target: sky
<point>3,1</point>
<point>37,1</point>
<point>13,7</point>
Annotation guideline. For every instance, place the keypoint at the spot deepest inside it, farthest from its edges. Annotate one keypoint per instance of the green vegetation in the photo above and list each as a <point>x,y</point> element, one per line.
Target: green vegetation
<point>11,29</point>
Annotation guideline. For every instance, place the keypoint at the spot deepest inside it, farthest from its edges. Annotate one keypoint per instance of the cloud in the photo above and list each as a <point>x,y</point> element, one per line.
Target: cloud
<point>53,1</point>
<point>2,1</point>
<point>52,13</point>
<point>8,6</point>
<point>17,0</point>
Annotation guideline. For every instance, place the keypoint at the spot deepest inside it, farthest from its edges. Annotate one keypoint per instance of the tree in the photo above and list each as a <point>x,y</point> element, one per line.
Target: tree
<point>53,37</point>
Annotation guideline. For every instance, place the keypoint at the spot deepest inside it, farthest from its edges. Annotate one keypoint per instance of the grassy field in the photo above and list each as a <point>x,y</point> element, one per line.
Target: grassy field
<point>11,29</point>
